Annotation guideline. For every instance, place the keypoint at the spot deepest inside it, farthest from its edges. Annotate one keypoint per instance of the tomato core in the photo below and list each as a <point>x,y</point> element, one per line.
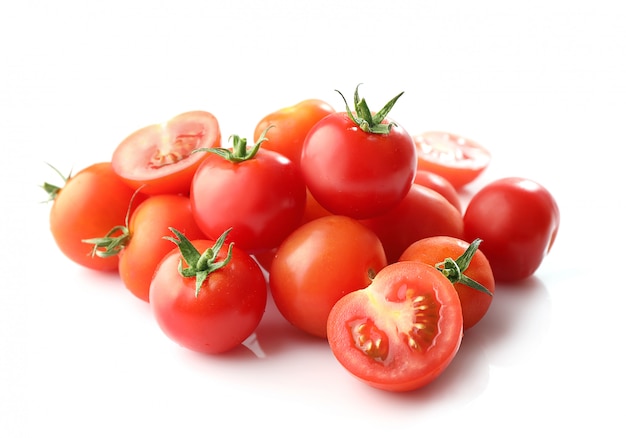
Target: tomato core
<point>171,152</point>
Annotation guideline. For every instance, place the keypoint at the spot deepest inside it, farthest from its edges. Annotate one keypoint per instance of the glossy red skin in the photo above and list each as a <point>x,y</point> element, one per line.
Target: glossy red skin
<point>439,184</point>
<point>290,125</point>
<point>402,296</point>
<point>319,263</point>
<point>134,158</point>
<point>458,159</point>
<point>433,250</point>
<point>146,246</point>
<point>90,204</point>
<point>354,173</point>
<point>262,199</point>
<point>227,310</point>
<point>518,220</point>
<point>422,213</point>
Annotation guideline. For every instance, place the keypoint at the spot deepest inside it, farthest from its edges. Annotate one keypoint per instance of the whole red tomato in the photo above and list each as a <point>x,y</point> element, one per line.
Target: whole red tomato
<point>258,193</point>
<point>159,159</point>
<point>290,125</point>
<point>465,266</point>
<point>207,297</point>
<point>317,264</point>
<point>89,205</point>
<point>422,213</point>
<point>358,164</point>
<point>518,220</point>
<point>400,332</point>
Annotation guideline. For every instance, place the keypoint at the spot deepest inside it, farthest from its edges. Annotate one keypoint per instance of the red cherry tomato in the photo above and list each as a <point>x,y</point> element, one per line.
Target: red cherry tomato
<point>290,125</point>
<point>89,204</point>
<point>317,264</point>
<point>217,304</point>
<point>450,254</point>
<point>402,331</point>
<point>518,220</point>
<point>439,184</point>
<point>358,164</point>
<point>458,159</point>
<point>258,193</point>
<point>159,159</point>
<point>422,213</point>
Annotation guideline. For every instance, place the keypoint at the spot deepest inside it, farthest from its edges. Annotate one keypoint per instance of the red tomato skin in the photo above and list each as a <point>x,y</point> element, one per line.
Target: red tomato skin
<point>422,213</point>
<point>354,173</point>
<point>433,250</point>
<point>290,126</point>
<point>392,307</point>
<point>158,158</point>
<point>458,159</point>
<point>518,220</point>
<point>317,264</point>
<point>90,204</point>
<point>227,310</point>
<point>262,199</point>
<point>148,224</point>
<point>439,184</point>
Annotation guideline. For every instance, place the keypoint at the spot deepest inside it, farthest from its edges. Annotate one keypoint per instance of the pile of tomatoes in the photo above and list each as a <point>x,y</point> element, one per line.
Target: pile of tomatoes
<point>350,224</point>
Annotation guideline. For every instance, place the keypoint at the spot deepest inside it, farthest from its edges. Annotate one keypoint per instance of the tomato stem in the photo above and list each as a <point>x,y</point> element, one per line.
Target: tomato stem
<point>240,150</point>
<point>365,119</point>
<point>453,269</point>
<point>199,265</point>
<point>51,189</point>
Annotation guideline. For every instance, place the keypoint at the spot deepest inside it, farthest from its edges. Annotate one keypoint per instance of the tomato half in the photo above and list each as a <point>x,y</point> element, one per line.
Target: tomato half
<point>518,220</point>
<point>437,249</point>
<point>159,158</point>
<point>317,264</point>
<point>89,205</point>
<point>402,331</point>
<point>456,158</point>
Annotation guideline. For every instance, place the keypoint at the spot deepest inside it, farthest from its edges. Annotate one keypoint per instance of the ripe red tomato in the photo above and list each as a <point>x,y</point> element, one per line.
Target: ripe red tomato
<point>214,302</point>
<point>140,244</point>
<point>290,125</point>
<point>422,213</point>
<point>458,159</point>
<point>402,331</point>
<point>159,158</point>
<point>439,184</point>
<point>462,268</point>
<point>317,264</point>
<point>358,164</point>
<point>518,220</point>
<point>89,204</point>
<point>258,193</point>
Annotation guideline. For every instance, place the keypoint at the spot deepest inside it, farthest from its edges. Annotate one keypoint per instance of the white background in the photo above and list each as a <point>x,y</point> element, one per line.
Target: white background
<point>540,83</point>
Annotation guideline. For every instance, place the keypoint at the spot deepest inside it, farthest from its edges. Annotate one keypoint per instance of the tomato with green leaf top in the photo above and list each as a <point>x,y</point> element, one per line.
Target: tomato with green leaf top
<point>207,297</point>
<point>402,331</point>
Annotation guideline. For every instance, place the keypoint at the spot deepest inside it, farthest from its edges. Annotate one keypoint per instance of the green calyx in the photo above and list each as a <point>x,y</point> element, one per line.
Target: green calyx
<point>51,189</point>
<point>240,150</point>
<point>453,269</point>
<point>199,265</point>
<point>365,119</point>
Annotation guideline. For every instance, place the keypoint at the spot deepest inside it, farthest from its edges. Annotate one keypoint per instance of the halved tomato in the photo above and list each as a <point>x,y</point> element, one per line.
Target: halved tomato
<point>159,159</point>
<point>456,158</point>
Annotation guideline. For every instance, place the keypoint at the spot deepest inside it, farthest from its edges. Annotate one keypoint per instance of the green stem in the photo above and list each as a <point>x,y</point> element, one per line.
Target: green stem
<point>365,119</point>
<point>454,270</point>
<point>240,150</point>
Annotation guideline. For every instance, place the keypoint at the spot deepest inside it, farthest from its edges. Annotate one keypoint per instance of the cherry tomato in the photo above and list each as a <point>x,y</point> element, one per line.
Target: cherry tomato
<point>159,158</point>
<point>422,213</point>
<point>317,264</point>
<point>257,192</point>
<point>439,184</point>
<point>518,220</point>
<point>140,245</point>
<point>214,302</point>
<point>89,204</point>
<point>402,331</point>
<point>358,164</point>
<point>458,159</point>
<point>464,269</point>
<point>290,125</point>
